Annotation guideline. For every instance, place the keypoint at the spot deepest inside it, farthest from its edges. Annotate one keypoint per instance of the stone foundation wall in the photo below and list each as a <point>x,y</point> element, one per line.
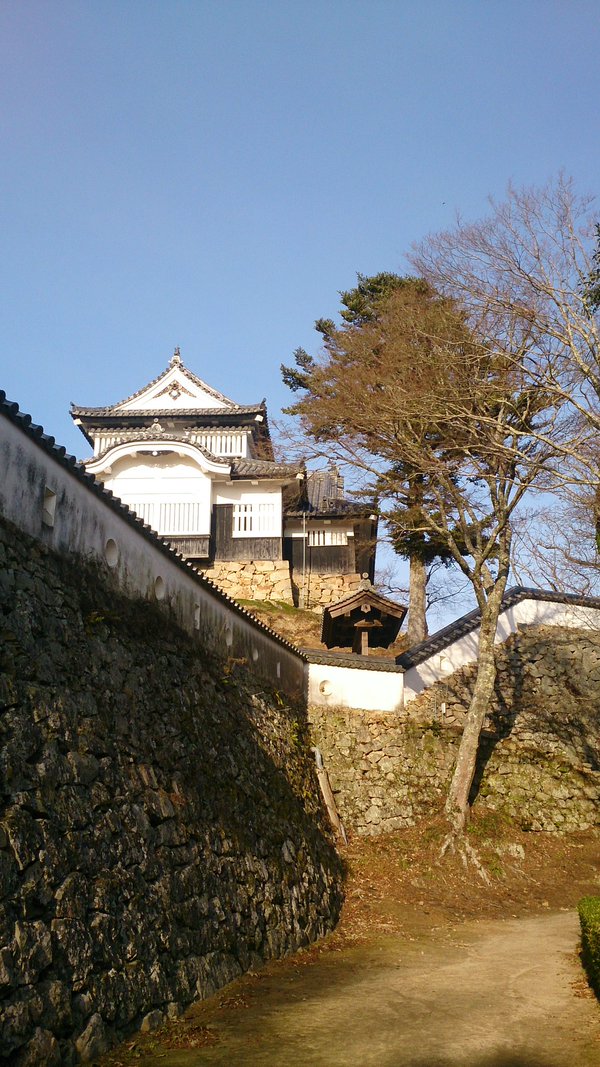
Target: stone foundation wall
<point>539,760</point>
<point>324,589</point>
<point>160,827</point>
<point>253,579</point>
<point>271,580</point>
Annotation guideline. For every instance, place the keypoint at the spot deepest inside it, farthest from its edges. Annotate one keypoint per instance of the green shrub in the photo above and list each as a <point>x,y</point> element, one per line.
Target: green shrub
<point>589,918</point>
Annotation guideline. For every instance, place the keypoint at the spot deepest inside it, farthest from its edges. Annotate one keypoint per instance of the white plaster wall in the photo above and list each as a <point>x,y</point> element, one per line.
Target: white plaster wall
<point>465,649</point>
<point>164,479</point>
<point>350,687</point>
<point>246,493</point>
<point>86,525</point>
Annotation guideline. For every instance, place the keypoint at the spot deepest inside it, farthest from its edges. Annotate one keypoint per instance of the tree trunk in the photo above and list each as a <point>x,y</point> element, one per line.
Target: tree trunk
<point>417,618</point>
<point>457,804</point>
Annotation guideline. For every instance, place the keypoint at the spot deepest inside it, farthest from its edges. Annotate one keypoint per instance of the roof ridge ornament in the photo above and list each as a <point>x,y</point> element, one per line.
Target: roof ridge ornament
<point>176,360</point>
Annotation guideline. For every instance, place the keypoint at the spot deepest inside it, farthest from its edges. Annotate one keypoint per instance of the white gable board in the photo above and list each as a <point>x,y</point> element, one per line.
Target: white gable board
<point>175,391</point>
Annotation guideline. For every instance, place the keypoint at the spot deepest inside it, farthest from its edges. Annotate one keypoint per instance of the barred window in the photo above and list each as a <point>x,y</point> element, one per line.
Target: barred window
<point>254,520</point>
<point>327,535</point>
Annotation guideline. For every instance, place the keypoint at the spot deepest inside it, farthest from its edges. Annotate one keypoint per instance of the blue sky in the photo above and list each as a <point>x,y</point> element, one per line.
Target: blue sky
<point>211,174</point>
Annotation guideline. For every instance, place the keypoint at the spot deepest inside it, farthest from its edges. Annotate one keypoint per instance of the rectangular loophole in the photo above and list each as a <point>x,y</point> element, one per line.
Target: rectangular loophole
<point>49,507</point>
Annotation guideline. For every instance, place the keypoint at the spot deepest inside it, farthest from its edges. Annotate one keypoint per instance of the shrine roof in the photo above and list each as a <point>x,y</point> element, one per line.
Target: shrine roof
<point>364,605</point>
<point>366,596</point>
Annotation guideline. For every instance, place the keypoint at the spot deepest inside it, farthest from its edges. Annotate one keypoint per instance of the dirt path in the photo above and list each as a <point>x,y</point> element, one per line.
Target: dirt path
<point>491,993</point>
<point>428,968</point>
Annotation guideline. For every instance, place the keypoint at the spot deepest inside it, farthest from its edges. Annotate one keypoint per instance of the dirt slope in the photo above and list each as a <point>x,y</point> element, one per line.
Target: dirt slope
<point>428,968</point>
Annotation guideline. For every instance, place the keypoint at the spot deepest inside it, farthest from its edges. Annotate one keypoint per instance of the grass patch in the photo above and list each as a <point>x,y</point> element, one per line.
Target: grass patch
<point>272,607</point>
<point>589,920</point>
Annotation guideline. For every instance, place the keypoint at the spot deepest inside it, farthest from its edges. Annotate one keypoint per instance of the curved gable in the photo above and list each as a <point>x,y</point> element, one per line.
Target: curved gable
<point>208,463</point>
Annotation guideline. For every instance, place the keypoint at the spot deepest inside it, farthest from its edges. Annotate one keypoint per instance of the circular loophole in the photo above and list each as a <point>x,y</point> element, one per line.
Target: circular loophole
<point>255,654</point>
<point>160,588</point>
<point>111,552</point>
<point>228,636</point>
<point>325,688</point>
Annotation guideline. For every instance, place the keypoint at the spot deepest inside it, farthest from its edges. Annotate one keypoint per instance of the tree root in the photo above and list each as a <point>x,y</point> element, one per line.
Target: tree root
<point>457,844</point>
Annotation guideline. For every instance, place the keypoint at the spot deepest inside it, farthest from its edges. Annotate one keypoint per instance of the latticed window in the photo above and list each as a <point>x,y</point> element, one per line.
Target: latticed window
<point>254,520</point>
<point>171,517</point>
<point>327,536</point>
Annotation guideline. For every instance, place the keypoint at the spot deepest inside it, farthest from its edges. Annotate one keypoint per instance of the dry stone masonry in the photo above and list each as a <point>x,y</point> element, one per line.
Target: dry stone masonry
<point>253,579</point>
<point>160,830</point>
<point>271,580</point>
<point>324,589</point>
<point>539,755</point>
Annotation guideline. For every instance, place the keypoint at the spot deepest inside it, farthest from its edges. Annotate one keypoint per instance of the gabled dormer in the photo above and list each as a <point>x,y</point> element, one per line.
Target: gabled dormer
<point>180,404</point>
<point>176,389</point>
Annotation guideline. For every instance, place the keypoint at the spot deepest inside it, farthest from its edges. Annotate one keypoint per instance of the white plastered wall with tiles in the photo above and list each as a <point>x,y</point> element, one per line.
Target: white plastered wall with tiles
<point>53,504</point>
<point>465,649</point>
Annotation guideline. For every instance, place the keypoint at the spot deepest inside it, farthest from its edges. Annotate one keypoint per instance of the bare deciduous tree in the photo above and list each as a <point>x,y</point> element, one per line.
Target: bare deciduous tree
<point>527,275</point>
<point>485,391</point>
<point>556,543</point>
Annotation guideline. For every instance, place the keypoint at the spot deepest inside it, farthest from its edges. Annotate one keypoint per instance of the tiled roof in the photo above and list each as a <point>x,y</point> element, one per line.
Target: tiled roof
<point>163,413</point>
<point>261,468</point>
<point>467,623</point>
<point>321,496</point>
<point>349,659</point>
<point>174,361</point>
<point>10,410</point>
<point>363,596</point>
<point>344,509</point>
<point>325,489</point>
<point>351,512</point>
<point>181,433</point>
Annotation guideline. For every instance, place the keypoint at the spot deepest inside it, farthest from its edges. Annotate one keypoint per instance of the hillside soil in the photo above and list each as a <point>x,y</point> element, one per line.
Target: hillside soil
<point>428,967</point>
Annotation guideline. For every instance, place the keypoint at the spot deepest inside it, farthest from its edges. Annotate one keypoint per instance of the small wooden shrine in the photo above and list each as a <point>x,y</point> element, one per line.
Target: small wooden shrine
<point>363,620</point>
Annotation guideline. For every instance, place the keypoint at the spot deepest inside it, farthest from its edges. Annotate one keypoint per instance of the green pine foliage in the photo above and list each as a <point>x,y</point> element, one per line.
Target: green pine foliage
<point>592,288</point>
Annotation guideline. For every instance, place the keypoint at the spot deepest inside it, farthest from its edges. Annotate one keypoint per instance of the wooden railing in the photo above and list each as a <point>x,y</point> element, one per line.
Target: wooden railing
<point>172,518</point>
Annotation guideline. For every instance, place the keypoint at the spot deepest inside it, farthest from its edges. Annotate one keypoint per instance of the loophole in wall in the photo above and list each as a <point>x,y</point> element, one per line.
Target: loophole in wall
<point>325,688</point>
<point>160,588</point>
<point>228,636</point>
<point>196,616</point>
<point>255,654</point>
<point>49,507</point>
<point>111,552</point>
